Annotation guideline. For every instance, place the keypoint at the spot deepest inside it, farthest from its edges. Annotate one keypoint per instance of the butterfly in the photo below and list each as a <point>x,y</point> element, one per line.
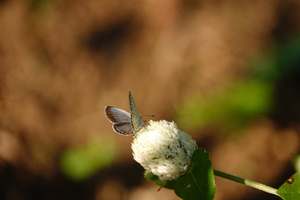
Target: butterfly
<point>124,123</point>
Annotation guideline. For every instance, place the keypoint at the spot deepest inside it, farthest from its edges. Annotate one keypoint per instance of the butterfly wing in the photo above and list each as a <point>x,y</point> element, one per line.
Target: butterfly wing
<point>120,119</point>
<point>136,120</point>
<point>123,128</point>
<point>116,115</point>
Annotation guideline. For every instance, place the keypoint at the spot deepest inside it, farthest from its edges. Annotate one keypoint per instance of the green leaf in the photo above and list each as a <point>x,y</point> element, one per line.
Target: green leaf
<point>290,190</point>
<point>199,182</point>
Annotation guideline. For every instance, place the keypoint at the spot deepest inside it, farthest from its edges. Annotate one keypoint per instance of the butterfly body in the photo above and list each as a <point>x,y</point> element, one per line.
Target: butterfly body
<point>125,123</point>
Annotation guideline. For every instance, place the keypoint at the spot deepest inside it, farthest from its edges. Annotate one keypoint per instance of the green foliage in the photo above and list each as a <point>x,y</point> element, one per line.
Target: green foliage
<point>231,108</point>
<point>198,183</point>
<point>82,162</point>
<point>290,190</point>
<point>241,102</point>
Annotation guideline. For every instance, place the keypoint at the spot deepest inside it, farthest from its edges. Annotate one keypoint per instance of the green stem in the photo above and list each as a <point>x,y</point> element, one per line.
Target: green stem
<point>253,184</point>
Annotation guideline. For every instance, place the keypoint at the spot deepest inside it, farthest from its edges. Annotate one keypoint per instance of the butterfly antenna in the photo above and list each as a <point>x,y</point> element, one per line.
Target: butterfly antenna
<point>148,115</point>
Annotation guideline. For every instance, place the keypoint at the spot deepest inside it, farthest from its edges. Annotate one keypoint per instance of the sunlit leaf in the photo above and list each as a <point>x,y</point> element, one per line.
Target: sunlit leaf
<point>290,190</point>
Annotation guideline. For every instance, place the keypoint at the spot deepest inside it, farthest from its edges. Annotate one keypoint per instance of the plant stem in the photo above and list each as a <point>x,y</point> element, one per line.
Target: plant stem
<point>253,184</point>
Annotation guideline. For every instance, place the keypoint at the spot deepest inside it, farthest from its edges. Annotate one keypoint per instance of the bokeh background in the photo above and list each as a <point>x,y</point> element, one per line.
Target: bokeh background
<point>226,71</point>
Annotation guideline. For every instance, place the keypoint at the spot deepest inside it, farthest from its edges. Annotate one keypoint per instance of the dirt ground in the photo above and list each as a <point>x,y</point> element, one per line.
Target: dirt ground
<point>62,62</point>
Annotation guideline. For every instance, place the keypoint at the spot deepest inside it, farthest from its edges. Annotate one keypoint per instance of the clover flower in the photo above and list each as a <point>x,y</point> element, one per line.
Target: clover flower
<point>161,148</point>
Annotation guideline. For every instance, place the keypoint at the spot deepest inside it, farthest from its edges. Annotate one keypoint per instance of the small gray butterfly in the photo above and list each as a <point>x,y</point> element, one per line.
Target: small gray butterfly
<point>124,123</point>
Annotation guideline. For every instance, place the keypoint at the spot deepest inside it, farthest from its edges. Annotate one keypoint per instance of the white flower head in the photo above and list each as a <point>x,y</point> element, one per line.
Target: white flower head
<point>161,148</point>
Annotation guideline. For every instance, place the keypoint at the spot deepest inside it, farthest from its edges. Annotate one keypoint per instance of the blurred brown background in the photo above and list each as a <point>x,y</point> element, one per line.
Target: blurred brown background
<point>62,62</point>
